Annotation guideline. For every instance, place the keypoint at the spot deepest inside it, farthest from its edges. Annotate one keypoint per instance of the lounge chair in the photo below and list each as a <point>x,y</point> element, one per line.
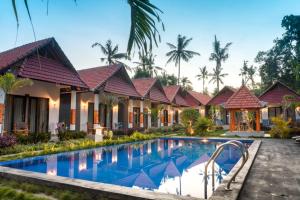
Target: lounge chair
<point>296,137</point>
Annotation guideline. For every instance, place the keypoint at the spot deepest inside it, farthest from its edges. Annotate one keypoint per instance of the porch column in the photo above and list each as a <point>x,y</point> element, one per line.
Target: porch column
<point>2,110</point>
<point>257,120</point>
<point>130,113</point>
<point>149,116</point>
<point>96,110</point>
<point>232,120</point>
<point>73,111</point>
<point>162,120</point>
<point>142,114</point>
<point>170,116</point>
<point>115,116</point>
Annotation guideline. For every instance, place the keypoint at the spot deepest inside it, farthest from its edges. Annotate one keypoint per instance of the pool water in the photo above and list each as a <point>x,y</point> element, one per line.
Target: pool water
<point>174,166</point>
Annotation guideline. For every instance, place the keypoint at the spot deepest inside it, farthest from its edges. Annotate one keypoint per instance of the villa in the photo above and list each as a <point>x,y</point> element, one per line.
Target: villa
<point>60,94</point>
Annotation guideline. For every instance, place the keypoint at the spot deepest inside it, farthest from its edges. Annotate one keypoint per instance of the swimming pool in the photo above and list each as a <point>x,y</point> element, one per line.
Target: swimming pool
<point>167,165</point>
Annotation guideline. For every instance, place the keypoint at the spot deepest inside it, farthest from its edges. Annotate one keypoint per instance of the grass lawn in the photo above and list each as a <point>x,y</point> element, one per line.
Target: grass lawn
<point>13,190</point>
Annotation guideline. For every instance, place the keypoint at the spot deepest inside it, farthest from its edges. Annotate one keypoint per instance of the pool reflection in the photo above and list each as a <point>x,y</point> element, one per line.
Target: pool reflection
<point>174,166</point>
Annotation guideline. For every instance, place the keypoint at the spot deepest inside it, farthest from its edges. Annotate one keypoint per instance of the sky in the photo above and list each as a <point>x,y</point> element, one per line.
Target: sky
<point>251,26</point>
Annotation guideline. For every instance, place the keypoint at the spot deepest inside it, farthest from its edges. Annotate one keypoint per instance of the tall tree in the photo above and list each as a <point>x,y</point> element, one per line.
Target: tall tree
<point>203,75</point>
<point>219,55</point>
<point>144,18</point>
<point>146,66</point>
<point>244,72</point>
<point>110,52</point>
<point>282,61</point>
<point>217,77</point>
<point>186,83</point>
<point>167,79</point>
<point>179,52</point>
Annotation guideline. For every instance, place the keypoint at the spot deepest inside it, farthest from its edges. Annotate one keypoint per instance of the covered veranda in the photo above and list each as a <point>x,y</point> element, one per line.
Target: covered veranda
<point>244,108</point>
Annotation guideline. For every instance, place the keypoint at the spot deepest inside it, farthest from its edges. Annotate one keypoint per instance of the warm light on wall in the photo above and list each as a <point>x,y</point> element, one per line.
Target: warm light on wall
<point>115,108</point>
<point>84,105</point>
<point>53,103</point>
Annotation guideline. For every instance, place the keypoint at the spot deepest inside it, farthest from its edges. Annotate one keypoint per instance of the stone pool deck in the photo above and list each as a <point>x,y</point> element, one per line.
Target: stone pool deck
<point>275,173</point>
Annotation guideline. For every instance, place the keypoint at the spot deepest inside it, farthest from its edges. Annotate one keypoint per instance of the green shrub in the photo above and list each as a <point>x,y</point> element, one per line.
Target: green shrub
<point>189,116</point>
<point>280,128</point>
<point>34,138</point>
<point>177,127</point>
<point>108,134</point>
<point>68,135</point>
<point>202,125</point>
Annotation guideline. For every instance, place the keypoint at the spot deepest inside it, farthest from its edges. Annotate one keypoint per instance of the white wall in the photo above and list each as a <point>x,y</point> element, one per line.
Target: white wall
<point>45,90</point>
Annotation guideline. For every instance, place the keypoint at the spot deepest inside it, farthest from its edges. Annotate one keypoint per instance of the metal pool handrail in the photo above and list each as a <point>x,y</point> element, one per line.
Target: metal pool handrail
<point>245,155</point>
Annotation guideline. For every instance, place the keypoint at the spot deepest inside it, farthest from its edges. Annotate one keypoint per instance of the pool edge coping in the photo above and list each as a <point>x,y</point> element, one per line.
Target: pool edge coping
<point>121,192</point>
<point>220,193</point>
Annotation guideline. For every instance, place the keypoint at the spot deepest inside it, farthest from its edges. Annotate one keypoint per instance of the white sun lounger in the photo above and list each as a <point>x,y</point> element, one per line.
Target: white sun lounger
<point>296,137</point>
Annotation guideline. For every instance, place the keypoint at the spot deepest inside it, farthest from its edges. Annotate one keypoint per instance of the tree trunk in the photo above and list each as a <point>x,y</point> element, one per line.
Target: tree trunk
<point>203,86</point>
<point>178,81</point>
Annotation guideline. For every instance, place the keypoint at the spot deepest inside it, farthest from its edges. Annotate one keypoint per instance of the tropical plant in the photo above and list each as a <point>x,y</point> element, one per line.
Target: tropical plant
<point>248,73</point>
<point>110,101</point>
<point>146,67</point>
<point>219,55</point>
<point>188,118</point>
<point>280,128</point>
<point>203,75</point>
<point>9,83</point>
<point>166,79</point>
<point>217,77</point>
<point>179,52</point>
<point>282,61</point>
<point>186,84</point>
<point>289,102</point>
<point>202,125</point>
<point>110,52</point>
<point>143,28</point>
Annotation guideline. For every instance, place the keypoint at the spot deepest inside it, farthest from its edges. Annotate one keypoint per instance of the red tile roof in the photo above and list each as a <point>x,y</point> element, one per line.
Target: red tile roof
<point>49,70</point>
<point>112,78</point>
<point>95,77</point>
<point>275,93</point>
<point>175,95</point>
<point>150,87</point>
<point>243,99</point>
<point>202,98</point>
<point>12,56</point>
<point>222,96</point>
<point>143,85</point>
<point>58,70</point>
<point>171,91</point>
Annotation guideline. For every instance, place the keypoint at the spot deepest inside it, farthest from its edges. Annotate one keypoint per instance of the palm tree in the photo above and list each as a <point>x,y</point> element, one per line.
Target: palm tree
<point>9,83</point>
<point>179,52</point>
<point>143,28</point>
<point>219,54</point>
<point>216,77</point>
<point>203,75</point>
<point>244,72</point>
<point>186,83</point>
<point>251,73</point>
<point>166,79</point>
<point>111,52</point>
<point>146,64</point>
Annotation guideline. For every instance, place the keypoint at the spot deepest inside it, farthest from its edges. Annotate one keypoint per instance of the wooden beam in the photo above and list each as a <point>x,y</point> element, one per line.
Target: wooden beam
<point>232,120</point>
<point>257,120</point>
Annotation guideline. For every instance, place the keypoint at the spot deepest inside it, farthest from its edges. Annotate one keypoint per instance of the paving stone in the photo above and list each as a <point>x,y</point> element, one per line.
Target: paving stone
<point>275,173</point>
